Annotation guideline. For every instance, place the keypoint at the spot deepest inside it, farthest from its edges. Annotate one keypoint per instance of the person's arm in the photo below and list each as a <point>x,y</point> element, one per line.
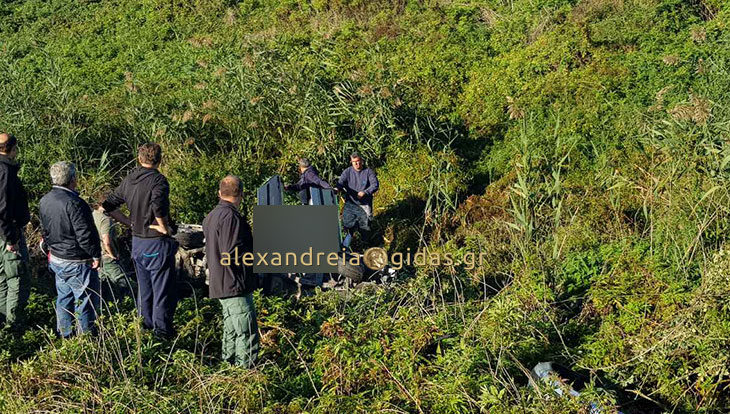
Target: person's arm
<point>342,181</point>
<point>105,234</point>
<point>83,226</point>
<point>120,218</point>
<point>116,198</point>
<point>297,186</point>
<point>318,181</point>
<point>161,207</point>
<point>374,183</point>
<point>8,230</point>
<point>22,199</point>
<point>238,236</point>
<point>228,234</point>
<point>106,241</point>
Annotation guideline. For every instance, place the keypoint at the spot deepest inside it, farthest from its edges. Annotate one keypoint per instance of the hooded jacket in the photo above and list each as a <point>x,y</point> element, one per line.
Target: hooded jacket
<point>227,238</point>
<point>68,226</point>
<point>147,195</point>
<point>14,213</point>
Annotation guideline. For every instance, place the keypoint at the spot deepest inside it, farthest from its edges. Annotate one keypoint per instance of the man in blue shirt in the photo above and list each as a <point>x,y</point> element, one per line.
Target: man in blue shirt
<point>308,178</point>
<point>358,183</point>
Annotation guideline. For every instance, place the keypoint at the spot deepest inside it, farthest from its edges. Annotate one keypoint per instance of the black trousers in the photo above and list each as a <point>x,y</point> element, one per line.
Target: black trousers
<point>154,261</point>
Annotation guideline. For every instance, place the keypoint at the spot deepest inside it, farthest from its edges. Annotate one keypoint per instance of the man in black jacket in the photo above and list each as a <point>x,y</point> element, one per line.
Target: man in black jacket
<point>70,234</point>
<point>146,193</point>
<point>14,215</point>
<point>227,239</point>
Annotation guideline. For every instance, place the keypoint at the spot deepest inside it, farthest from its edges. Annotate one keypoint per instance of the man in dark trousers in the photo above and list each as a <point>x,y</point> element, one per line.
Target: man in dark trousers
<point>358,183</point>
<point>308,178</point>
<point>227,238</point>
<point>75,251</point>
<point>14,215</point>
<point>146,192</point>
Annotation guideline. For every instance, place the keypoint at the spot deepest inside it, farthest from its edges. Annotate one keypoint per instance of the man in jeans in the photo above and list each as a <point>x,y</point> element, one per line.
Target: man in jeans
<point>69,232</point>
<point>146,193</point>
<point>358,183</point>
<point>14,215</point>
<point>227,238</point>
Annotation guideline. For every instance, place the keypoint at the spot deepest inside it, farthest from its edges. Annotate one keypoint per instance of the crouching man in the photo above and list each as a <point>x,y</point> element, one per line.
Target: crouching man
<point>75,251</point>
<point>227,238</point>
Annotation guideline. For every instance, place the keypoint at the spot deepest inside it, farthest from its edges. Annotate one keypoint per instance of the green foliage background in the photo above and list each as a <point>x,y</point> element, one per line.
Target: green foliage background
<point>581,145</point>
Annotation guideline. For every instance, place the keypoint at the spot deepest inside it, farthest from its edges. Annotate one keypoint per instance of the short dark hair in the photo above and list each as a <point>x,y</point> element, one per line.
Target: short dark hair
<point>8,143</point>
<point>355,155</point>
<point>150,153</point>
<point>230,186</point>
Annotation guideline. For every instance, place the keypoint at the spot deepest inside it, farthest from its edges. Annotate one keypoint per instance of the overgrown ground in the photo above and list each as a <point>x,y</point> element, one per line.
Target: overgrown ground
<point>582,146</point>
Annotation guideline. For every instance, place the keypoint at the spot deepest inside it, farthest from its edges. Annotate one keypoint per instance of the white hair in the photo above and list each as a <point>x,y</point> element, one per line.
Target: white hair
<point>63,173</point>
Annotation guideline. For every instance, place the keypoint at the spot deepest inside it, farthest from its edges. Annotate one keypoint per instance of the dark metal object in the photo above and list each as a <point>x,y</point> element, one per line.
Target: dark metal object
<point>190,236</point>
<point>271,193</point>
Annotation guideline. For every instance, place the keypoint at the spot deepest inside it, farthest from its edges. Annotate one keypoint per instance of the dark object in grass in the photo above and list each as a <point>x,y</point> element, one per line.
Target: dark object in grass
<point>190,236</point>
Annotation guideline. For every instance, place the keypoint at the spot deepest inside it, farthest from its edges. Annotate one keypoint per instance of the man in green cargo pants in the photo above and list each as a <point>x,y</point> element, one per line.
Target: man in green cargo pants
<point>14,215</point>
<point>227,238</point>
<point>114,281</point>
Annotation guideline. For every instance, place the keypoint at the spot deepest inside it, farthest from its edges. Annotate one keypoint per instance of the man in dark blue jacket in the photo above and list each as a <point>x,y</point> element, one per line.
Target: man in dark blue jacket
<point>14,215</point>
<point>147,195</point>
<point>358,183</point>
<point>75,251</point>
<point>308,179</point>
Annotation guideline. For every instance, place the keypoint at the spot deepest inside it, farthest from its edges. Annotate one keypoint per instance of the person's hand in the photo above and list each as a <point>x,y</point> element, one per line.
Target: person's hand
<point>11,248</point>
<point>95,264</point>
<point>158,228</point>
<point>361,194</point>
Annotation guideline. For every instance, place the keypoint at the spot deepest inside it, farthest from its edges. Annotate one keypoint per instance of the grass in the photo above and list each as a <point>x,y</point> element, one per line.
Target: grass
<point>581,145</point>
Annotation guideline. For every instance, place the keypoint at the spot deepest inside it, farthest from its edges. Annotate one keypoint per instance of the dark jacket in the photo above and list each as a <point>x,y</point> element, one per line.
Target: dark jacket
<point>68,226</point>
<point>147,195</point>
<point>14,213</point>
<point>308,179</point>
<point>227,237</point>
<point>353,181</point>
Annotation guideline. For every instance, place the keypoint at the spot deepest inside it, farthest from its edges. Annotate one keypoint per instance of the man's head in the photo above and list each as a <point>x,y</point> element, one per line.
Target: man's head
<point>99,196</point>
<point>231,189</point>
<point>356,161</point>
<point>8,145</point>
<point>63,173</point>
<point>150,155</point>
<point>303,164</point>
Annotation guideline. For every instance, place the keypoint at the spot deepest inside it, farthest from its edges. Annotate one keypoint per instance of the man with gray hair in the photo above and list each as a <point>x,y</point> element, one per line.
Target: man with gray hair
<point>75,250</point>
<point>308,178</point>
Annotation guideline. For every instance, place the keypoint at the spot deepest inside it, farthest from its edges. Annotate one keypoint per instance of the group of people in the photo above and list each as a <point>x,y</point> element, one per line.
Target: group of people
<point>357,183</point>
<point>81,244</point>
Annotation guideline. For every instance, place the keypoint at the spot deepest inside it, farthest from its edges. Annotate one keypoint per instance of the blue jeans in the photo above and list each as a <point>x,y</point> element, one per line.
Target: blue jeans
<point>77,285</point>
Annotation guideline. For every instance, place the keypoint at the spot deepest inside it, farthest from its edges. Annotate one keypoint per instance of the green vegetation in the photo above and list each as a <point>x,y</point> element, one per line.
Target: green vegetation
<point>582,145</point>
